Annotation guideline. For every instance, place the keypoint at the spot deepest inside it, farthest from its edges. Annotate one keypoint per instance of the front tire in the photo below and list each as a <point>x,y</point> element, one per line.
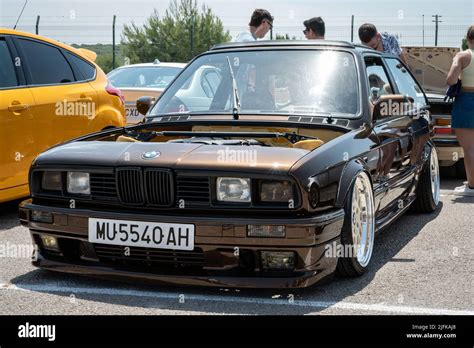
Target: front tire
<point>358,231</point>
<point>428,189</point>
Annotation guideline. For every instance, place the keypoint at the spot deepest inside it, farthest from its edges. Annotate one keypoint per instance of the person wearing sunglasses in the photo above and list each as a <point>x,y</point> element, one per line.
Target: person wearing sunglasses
<point>315,29</point>
<point>260,24</point>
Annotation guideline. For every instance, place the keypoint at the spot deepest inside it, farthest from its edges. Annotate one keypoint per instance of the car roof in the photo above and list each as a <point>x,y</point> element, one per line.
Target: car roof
<point>84,53</point>
<point>292,43</point>
<point>156,65</point>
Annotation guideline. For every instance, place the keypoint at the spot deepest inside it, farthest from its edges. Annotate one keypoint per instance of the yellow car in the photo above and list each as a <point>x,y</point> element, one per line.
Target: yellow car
<point>49,93</point>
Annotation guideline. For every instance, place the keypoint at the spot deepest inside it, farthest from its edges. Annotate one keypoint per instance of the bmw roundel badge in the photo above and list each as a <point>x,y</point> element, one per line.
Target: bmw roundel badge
<point>151,154</point>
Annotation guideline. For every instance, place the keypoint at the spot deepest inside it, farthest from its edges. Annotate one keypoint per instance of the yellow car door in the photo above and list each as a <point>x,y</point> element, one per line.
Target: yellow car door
<point>63,99</point>
<point>17,128</point>
<point>18,125</point>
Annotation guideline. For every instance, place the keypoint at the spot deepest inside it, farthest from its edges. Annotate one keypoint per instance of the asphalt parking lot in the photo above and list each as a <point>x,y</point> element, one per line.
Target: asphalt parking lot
<point>422,264</point>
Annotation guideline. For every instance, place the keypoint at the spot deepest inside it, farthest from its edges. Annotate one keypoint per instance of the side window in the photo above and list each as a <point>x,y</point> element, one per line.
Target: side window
<point>405,83</point>
<point>82,69</point>
<point>379,84</point>
<point>46,63</point>
<point>7,68</point>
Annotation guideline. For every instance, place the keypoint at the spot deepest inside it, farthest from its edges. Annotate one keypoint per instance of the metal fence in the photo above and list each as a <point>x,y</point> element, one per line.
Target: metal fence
<point>411,31</point>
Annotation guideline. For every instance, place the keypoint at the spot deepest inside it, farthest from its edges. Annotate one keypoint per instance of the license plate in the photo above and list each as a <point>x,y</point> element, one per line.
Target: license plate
<point>132,112</point>
<point>142,234</point>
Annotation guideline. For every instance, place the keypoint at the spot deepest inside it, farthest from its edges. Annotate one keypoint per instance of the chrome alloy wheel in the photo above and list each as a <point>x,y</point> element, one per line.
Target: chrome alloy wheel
<point>363,219</point>
<point>435,177</point>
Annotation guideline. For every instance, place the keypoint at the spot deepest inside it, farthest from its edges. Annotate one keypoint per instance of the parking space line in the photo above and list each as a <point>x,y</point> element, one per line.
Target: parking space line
<point>449,193</point>
<point>376,307</point>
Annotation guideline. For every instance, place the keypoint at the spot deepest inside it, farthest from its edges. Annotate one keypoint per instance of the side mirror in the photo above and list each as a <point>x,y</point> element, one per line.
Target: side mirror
<point>144,104</point>
<point>392,105</point>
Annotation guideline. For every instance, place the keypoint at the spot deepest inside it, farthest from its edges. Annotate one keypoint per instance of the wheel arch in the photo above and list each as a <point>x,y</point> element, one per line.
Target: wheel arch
<point>349,174</point>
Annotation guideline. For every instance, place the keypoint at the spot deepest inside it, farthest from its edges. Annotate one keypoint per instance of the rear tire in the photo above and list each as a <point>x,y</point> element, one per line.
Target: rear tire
<point>358,231</point>
<point>428,189</point>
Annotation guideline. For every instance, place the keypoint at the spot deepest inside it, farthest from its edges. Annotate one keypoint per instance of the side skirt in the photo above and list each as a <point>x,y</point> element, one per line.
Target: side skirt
<point>396,210</point>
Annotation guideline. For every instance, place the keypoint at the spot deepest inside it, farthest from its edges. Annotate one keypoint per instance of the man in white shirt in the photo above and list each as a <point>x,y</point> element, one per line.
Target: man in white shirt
<point>260,24</point>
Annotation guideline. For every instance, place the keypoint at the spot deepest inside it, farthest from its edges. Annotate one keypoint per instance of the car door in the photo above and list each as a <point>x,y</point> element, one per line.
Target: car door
<point>420,130</point>
<point>394,131</point>
<point>18,121</point>
<point>65,101</point>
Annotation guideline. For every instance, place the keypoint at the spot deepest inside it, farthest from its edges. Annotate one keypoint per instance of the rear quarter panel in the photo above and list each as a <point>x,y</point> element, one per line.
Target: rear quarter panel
<point>110,111</point>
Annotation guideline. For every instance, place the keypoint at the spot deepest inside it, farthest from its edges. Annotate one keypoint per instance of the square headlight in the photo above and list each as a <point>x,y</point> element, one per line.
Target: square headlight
<point>78,183</point>
<point>276,191</point>
<point>233,190</point>
<point>51,181</point>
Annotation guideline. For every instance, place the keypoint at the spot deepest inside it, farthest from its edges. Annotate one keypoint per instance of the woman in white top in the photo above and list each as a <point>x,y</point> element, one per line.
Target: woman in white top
<point>463,109</point>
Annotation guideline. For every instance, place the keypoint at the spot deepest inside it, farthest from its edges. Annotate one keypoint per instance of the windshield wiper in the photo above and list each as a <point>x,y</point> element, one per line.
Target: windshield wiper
<point>235,93</point>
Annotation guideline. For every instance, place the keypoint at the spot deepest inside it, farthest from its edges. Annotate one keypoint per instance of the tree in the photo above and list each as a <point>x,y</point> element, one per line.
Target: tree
<point>464,44</point>
<point>182,33</point>
<point>104,55</point>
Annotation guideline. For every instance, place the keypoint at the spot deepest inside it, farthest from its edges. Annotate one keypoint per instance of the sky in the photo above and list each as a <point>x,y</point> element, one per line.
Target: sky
<point>90,21</point>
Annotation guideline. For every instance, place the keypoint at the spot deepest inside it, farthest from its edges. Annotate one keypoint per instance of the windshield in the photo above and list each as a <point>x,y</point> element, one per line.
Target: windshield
<point>148,77</point>
<point>302,82</point>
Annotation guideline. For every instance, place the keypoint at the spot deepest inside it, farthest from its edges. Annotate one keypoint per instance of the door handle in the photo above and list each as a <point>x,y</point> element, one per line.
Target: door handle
<point>18,107</point>
<point>84,99</point>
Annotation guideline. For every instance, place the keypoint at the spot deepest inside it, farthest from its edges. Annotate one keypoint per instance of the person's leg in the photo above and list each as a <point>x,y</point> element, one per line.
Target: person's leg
<point>466,139</point>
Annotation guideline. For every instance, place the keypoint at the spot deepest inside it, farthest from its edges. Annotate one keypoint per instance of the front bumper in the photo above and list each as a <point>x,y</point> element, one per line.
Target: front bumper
<point>217,238</point>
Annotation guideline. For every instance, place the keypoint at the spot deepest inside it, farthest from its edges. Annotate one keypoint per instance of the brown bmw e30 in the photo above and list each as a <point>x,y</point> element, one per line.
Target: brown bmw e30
<point>276,171</point>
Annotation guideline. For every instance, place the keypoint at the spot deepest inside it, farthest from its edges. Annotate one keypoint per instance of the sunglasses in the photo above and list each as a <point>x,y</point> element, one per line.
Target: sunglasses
<point>306,31</point>
<point>269,23</point>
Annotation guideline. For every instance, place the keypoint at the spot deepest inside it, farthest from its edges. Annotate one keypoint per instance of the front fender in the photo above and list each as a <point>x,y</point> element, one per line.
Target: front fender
<point>349,174</point>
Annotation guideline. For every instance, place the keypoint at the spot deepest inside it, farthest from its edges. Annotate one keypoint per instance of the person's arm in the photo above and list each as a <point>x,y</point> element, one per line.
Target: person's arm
<point>403,59</point>
<point>399,51</point>
<point>456,69</point>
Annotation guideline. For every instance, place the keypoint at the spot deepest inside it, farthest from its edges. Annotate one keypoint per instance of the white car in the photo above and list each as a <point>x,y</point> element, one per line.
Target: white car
<point>137,80</point>
<point>198,91</point>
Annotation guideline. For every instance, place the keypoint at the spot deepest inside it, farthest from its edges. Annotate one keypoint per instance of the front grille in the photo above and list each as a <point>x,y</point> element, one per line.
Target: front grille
<point>153,187</point>
<point>150,257</point>
<point>130,186</point>
<point>159,187</point>
<point>193,191</point>
<point>134,186</point>
<point>103,186</point>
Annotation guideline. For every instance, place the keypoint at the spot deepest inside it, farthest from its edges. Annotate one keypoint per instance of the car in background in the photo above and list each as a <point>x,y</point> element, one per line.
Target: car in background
<point>49,93</point>
<point>138,80</point>
<point>430,66</point>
